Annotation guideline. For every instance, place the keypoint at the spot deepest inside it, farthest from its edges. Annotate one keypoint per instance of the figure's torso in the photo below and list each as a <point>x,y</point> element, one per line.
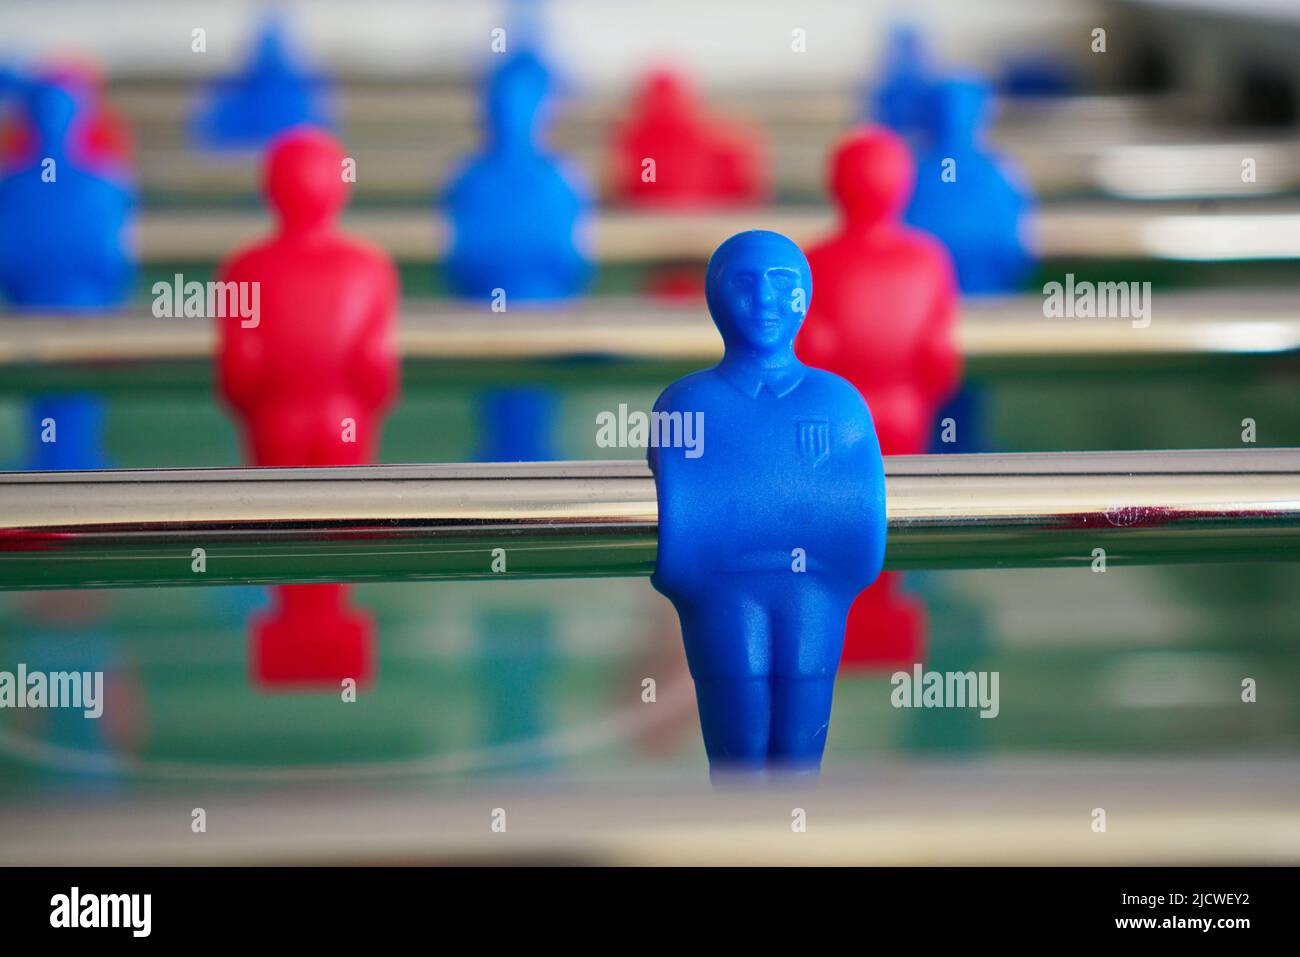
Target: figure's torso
<point>976,216</point>
<point>692,163</point>
<point>62,242</point>
<point>775,474</point>
<point>317,308</point>
<point>514,222</point>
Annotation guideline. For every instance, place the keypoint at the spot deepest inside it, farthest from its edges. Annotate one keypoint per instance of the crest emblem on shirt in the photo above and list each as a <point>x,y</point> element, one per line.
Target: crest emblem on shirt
<point>812,438</point>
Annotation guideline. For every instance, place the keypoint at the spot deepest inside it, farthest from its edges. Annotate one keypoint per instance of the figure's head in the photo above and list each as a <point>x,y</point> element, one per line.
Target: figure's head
<point>666,91</point>
<point>515,94</point>
<point>904,49</point>
<point>872,175</point>
<point>52,108</point>
<point>959,109</point>
<point>758,289</point>
<point>270,53</point>
<point>304,177</point>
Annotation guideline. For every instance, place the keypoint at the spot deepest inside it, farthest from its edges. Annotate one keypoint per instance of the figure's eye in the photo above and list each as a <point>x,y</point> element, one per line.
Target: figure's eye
<point>782,281</point>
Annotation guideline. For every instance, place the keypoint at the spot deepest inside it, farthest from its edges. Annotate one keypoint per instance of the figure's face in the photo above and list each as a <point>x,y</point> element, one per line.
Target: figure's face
<point>762,308</point>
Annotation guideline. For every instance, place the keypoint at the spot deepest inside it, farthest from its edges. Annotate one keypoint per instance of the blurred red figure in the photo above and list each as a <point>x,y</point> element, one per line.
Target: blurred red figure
<point>698,160</point>
<point>310,375</point>
<point>102,138</point>
<point>882,315</point>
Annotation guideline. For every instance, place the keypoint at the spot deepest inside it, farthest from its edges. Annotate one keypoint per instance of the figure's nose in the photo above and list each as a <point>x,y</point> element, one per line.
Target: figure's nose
<point>766,292</point>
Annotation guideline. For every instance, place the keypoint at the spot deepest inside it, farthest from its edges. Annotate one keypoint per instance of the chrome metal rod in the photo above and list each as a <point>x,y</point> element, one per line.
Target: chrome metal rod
<point>592,519</point>
<point>401,169</point>
<point>1241,230</point>
<point>992,332</point>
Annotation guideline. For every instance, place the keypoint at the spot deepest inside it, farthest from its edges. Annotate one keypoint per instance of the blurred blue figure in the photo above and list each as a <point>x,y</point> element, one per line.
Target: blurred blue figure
<point>68,433</point>
<point>899,99</point>
<point>10,85</point>
<point>518,424</point>
<point>97,743</point>
<point>62,225</point>
<point>976,204</point>
<point>967,195</point>
<point>515,209</point>
<point>62,249</point>
<point>516,644</point>
<point>273,93</point>
<point>771,527</point>
<point>515,660</point>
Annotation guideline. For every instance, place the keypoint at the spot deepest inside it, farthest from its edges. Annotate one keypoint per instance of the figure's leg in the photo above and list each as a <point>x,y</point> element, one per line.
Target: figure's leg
<point>726,637</point>
<point>735,716</point>
<point>75,425</point>
<point>808,638</point>
<point>966,409</point>
<point>344,434</point>
<point>801,717</point>
<point>310,638</point>
<point>518,424</point>
<point>279,435</point>
<point>886,627</point>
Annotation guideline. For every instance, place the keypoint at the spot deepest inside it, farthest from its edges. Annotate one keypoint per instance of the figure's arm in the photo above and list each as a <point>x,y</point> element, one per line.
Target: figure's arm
<point>240,355</point>
<point>628,155</point>
<point>939,360</point>
<point>876,493</point>
<point>578,201</point>
<point>662,404</point>
<point>119,271</point>
<point>680,396</point>
<point>379,370</point>
<point>866,477</point>
<point>1018,257</point>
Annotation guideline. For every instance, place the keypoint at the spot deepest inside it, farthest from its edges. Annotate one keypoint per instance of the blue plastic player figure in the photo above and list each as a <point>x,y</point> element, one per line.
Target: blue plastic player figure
<point>899,100</point>
<point>515,208</point>
<point>969,196</point>
<point>515,211</point>
<point>976,204</point>
<point>767,536</point>
<point>272,94</point>
<point>62,249</point>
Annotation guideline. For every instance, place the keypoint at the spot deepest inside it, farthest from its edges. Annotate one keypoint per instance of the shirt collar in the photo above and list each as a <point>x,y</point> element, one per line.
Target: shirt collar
<point>752,379</point>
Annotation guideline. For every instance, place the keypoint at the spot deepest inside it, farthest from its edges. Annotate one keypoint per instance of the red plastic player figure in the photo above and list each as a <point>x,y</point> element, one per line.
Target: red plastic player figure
<point>310,374</point>
<point>883,316</point>
<point>673,153</point>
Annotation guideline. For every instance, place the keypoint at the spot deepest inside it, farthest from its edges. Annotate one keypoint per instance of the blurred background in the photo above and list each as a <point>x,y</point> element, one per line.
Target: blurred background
<point>1120,691</point>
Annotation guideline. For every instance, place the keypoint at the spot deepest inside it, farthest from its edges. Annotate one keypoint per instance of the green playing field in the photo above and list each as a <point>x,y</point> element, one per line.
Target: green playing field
<point>480,678</point>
